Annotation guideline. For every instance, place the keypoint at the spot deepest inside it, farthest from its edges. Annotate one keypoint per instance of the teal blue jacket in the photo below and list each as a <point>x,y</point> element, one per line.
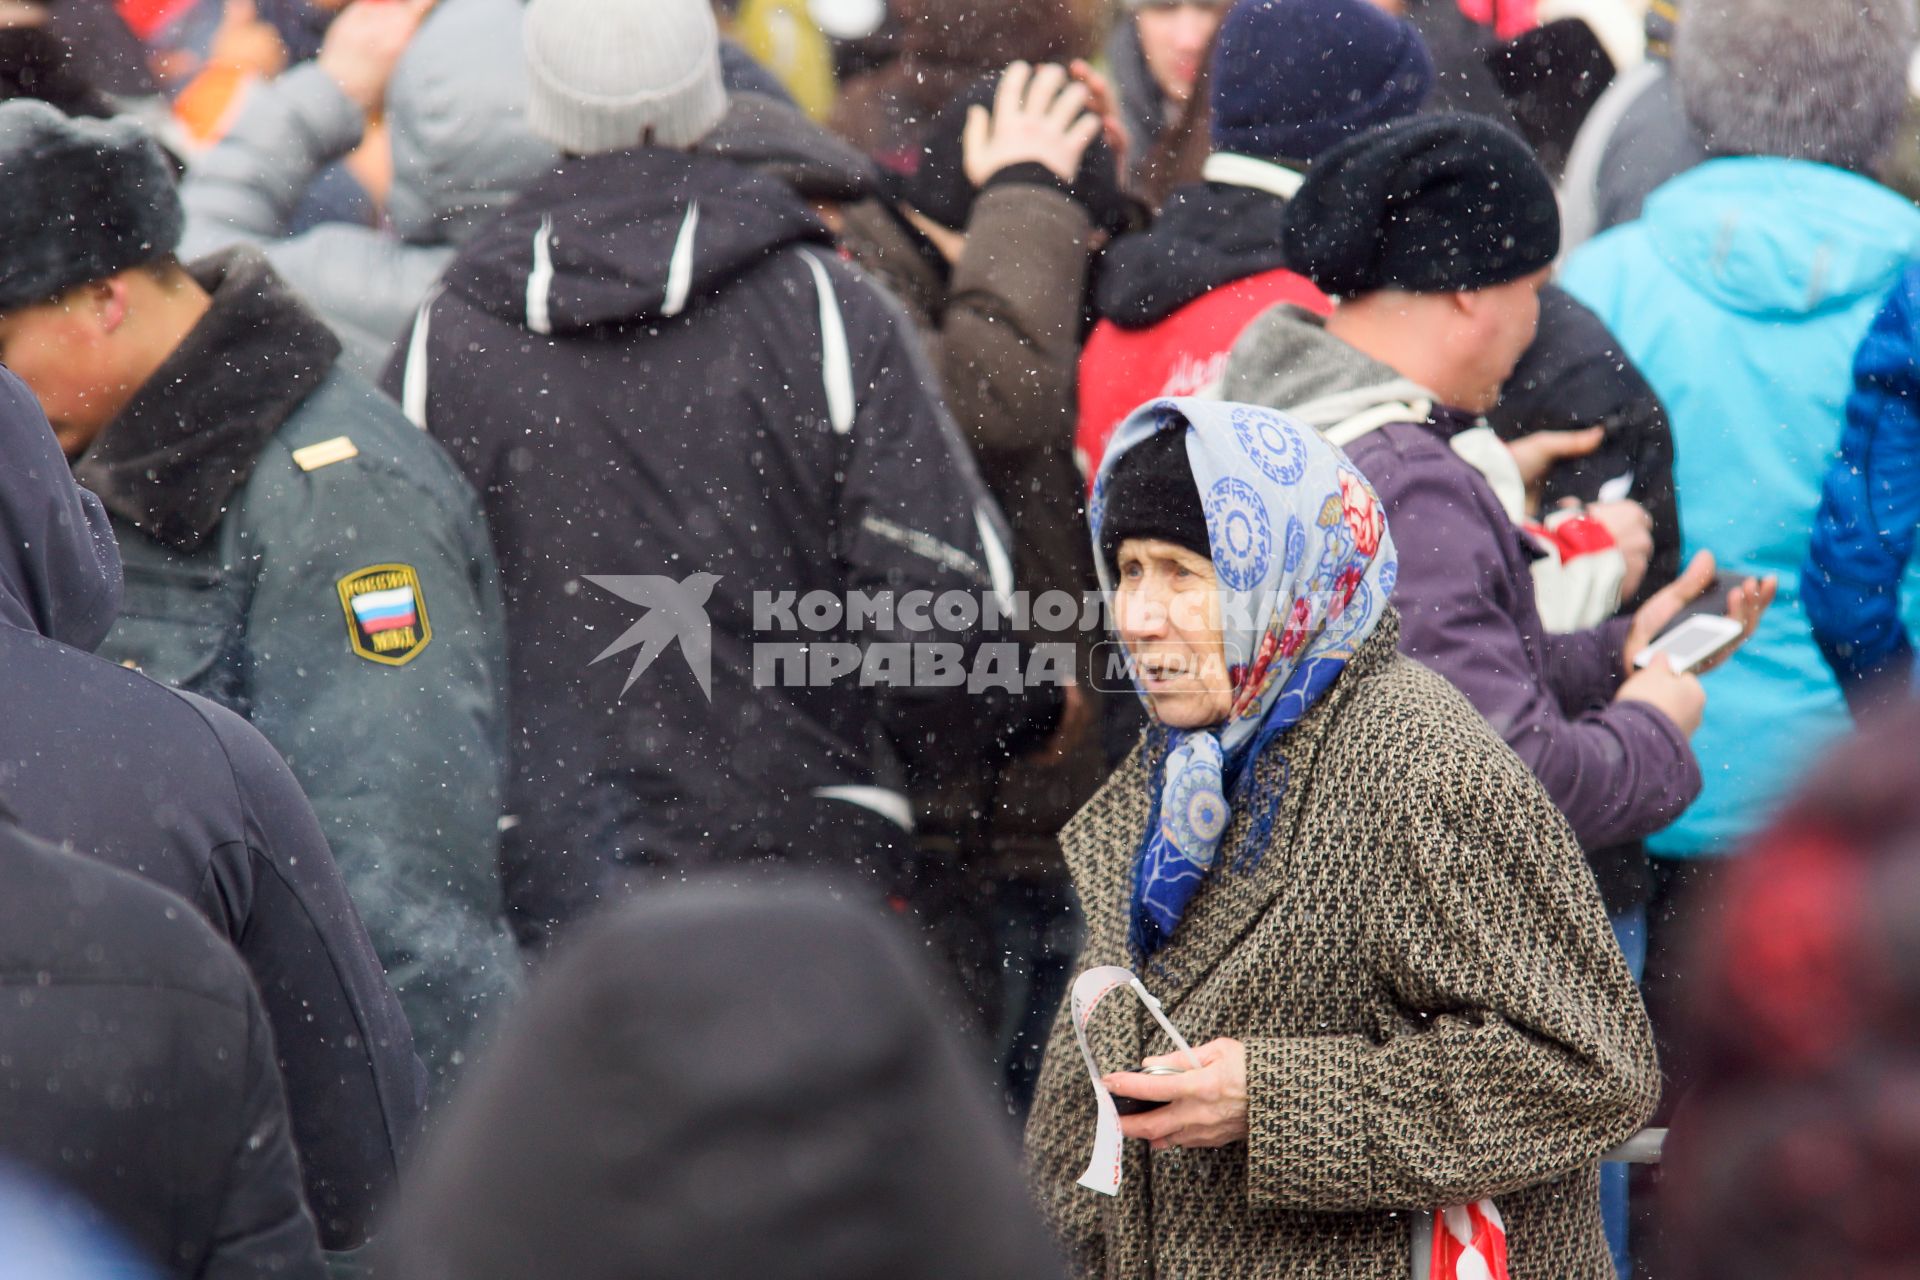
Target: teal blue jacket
<point>1742,293</point>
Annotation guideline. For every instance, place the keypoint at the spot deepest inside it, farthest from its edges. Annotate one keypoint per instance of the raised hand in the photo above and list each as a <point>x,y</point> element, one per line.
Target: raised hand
<point>1039,117</point>
<point>364,44</point>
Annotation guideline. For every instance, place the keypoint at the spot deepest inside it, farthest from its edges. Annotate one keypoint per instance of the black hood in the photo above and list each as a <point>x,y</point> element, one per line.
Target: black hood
<point>627,236</point>
<point>723,1081</point>
<point>1209,235</point>
<point>59,565</point>
<point>776,138</point>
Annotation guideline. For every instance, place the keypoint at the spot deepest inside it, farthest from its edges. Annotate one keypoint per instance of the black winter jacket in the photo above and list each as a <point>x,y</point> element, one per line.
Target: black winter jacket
<point>190,796</point>
<point>678,403</point>
<point>1209,234</point>
<point>1576,376</point>
<point>138,1070</point>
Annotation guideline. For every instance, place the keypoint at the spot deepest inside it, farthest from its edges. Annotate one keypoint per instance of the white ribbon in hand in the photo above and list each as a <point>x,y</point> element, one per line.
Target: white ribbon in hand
<point>1103,1171</point>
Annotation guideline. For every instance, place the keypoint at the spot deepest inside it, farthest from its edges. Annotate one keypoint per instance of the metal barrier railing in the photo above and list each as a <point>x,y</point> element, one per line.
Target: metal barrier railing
<point>1643,1147</point>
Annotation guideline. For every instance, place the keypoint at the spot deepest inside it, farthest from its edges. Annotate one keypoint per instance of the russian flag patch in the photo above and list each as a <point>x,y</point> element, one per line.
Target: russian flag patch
<point>386,613</point>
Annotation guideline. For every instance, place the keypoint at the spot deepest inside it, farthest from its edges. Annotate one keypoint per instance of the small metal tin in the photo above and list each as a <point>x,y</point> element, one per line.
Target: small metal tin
<point>1134,1106</point>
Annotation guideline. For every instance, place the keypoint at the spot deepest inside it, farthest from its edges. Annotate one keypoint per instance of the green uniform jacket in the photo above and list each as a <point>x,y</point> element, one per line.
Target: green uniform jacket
<point>297,551</point>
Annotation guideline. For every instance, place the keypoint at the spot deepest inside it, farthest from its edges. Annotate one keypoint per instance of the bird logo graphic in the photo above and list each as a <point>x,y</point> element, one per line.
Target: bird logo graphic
<point>675,610</point>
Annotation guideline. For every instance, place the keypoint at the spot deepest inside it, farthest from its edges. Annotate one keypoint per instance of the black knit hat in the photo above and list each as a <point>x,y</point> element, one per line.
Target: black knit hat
<point>1293,77</point>
<point>1151,493</point>
<point>1439,204</point>
<point>85,199</point>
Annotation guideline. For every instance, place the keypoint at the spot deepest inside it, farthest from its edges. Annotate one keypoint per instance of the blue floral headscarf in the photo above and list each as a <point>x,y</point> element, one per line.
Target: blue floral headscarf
<point>1299,543</point>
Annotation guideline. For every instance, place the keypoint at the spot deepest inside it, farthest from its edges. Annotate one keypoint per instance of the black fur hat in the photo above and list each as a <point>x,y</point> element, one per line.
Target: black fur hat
<point>84,200</point>
<point>1432,204</point>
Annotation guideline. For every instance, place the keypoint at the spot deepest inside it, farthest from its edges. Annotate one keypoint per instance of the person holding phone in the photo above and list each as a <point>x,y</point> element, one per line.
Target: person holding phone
<point>1437,234</point>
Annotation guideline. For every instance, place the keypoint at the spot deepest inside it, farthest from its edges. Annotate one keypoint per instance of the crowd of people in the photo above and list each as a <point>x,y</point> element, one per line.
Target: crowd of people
<point>606,600</point>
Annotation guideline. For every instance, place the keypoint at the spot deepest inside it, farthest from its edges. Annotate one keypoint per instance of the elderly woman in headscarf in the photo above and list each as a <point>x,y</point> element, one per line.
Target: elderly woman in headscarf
<point>1341,884</point>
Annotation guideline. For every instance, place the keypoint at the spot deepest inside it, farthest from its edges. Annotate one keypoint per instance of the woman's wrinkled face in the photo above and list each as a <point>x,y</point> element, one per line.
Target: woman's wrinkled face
<point>1166,605</point>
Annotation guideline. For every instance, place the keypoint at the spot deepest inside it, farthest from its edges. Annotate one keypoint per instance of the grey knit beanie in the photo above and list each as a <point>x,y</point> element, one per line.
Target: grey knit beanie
<point>85,199</point>
<point>1822,80</point>
<point>606,75</point>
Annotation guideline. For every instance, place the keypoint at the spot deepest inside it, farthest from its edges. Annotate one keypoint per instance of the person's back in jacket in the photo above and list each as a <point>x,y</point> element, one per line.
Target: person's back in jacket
<point>1636,138</point>
<point>1290,79</point>
<point>104,760</point>
<point>139,1071</point>
<point>987,252</point>
<point>1855,583</point>
<point>1574,377</point>
<point>1742,293</point>
<point>294,550</point>
<point>685,414</point>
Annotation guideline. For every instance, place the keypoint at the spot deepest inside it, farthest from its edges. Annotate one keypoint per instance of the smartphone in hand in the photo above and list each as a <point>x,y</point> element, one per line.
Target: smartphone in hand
<point>1692,642</point>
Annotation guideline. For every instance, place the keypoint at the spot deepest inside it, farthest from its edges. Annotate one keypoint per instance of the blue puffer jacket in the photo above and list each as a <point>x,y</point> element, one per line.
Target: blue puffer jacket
<point>1742,293</point>
<point>1863,535</point>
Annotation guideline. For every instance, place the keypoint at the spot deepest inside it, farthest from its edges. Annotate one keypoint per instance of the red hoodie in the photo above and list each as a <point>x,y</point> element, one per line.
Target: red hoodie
<point>1182,355</point>
<point>1508,18</point>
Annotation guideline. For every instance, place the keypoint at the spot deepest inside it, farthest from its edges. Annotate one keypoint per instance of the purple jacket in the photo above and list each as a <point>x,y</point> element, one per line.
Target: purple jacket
<point>1618,771</point>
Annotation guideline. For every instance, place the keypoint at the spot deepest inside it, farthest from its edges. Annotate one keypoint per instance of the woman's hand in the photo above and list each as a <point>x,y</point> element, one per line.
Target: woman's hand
<point>1105,103</point>
<point>1205,1108</point>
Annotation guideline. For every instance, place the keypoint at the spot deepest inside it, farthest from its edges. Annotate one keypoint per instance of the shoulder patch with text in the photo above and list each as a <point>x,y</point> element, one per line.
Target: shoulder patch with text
<point>386,613</point>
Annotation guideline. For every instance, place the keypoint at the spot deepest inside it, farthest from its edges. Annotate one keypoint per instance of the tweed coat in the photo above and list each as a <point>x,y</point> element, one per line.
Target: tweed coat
<point>1404,934</point>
